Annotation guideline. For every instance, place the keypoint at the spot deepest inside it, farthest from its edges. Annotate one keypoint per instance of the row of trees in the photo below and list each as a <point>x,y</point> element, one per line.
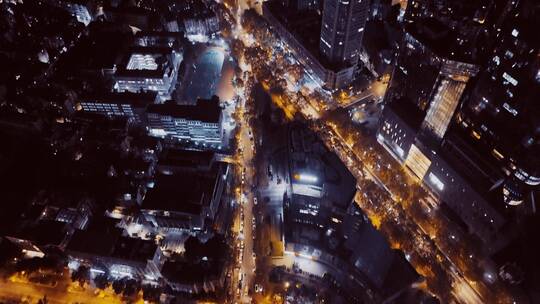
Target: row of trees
<point>126,287</point>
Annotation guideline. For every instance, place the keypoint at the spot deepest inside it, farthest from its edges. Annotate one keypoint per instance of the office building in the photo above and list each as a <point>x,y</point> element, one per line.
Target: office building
<point>301,5</point>
<point>158,39</point>
<point>200,124</point>
<point>125,104</point>
<point>301,30</point>
<point>207,25</point>
<point>104,249</point>
<point>148,69</point>
<point>323,225</point>
<point>473,143</point>
<point>183,198</point>
<point>342,30</point>
<point>499,122</point>
<point>427,88</point>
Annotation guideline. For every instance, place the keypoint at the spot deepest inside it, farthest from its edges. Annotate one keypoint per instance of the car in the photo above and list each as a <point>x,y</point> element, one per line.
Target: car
<point>255,201</point>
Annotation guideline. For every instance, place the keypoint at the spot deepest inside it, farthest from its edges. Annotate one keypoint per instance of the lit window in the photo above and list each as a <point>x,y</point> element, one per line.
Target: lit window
<point>497,154</point>
<point>515,32</point>
<point>508,108</point>
<point>325,42</point>
<point>435,181</point>
<point>510,79</point>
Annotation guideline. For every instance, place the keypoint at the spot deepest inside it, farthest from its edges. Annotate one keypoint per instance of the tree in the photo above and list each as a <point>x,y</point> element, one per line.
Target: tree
<point>151,293</point>
<point>81,275</point>
<point>43,300</point>
<point>101,281</point>
<point>31,265</point>
<point>193,249</point>
<point>118,286</point>
<point>131,287</point>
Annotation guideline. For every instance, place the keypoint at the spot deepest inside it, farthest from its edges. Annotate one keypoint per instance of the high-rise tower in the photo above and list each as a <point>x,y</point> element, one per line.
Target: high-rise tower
<point>342,30</point>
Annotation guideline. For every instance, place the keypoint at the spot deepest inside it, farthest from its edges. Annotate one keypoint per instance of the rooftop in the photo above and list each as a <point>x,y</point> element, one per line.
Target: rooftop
<point>189,159</point>
<point>440,39</point>
<point>98,239</point>
<point>103,238</point>
<point>46,232</point>
<point>141,99</point>
<point>146,61</point>
<point>187,192</point>
<point>204,110</point>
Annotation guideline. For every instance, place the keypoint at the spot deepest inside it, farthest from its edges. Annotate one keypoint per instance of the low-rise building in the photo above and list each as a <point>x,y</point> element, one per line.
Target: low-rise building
<point>184,200</point>
<point>80,9</point>
<point>200,124</point>
<point>126,104</point>
<point>148,69</point>
<point>103,247</point>
<point>201,269</point>
<point>158,39</point>
<point>35,238</point>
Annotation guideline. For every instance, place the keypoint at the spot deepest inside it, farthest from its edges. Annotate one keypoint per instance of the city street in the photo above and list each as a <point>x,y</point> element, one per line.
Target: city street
<point>429,256</point>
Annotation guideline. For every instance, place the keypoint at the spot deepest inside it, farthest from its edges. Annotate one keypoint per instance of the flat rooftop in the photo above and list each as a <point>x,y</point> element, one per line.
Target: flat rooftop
<point>205,110</point>
<point>141,99</point>
<point>187,192</point>
<point>103,238</point>
<point>45,232</point>
<point>440,39</point>
<point>189,159</point>
<point>146,61</point>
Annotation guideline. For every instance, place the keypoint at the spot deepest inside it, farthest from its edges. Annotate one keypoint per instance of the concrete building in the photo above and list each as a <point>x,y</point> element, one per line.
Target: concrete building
<point>498,123</point>
<point>301,5</point>
<point>322,224</point>
<point>125,104</point>
<point>300,30</point>
<point>82,10</point>
<point>158,39</point>
<point>200,22</point>
<point>200,124</point>
<point>148,69</point>
<point>105,250</point>
<point>427,88</point>
<point>202,25</point>
<point>183,198</point>
<point>342,30</point>
<point>204,271</point>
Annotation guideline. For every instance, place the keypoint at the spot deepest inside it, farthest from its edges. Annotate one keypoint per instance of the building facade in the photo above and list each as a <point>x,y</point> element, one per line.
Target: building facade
<point>168,208</point>
<point>149,69</point>
<point>329,76</point>
<point>125,104</point>
<point>200,124</point>
<point>342,30</point>
<point>499,121</point>
<point>416,127</point>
